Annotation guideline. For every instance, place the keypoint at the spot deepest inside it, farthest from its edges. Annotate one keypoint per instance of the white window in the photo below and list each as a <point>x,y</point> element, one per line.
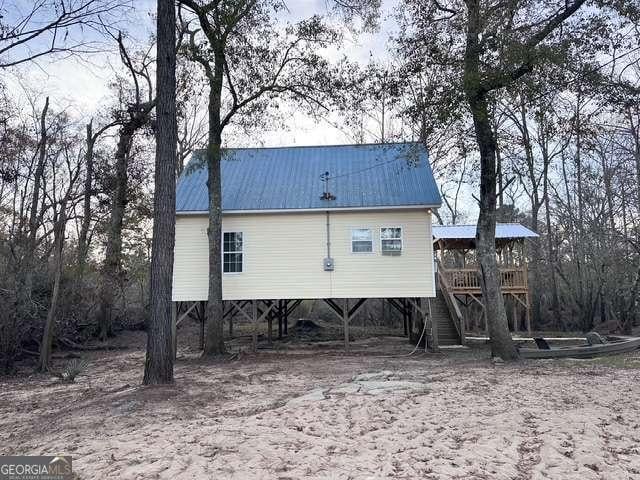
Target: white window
<point>232,255</point>
<point>391,240</point>
<point>361,240</point>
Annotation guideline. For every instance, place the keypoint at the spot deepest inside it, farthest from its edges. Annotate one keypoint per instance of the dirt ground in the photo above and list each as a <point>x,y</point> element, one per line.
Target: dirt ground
<point>312,411</point>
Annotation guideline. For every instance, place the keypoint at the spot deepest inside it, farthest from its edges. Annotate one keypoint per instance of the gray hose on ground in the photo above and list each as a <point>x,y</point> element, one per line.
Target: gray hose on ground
<point>424,329</point>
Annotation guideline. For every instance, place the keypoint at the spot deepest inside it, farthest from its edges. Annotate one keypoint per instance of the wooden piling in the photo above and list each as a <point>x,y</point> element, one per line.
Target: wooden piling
<point>203,319</point>
<point>254,316</point>
<point>174,328</point>
<point>345,323</point>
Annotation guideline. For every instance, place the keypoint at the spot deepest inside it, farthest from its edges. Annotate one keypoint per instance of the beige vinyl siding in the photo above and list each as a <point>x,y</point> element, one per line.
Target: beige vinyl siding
<point>191,259</point>
<point>283,254</point>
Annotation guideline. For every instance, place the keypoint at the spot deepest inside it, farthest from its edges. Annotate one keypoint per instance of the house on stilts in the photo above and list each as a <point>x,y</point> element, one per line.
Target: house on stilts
<point>341,224</point>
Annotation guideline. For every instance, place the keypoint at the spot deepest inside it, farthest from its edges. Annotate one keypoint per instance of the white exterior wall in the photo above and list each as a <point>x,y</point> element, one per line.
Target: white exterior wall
<point>284,252</point>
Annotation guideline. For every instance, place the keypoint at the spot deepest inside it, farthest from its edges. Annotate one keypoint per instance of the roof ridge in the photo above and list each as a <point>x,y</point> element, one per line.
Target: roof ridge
<point>458,225</point>
<point>475,224</point>
<point>336,145</point>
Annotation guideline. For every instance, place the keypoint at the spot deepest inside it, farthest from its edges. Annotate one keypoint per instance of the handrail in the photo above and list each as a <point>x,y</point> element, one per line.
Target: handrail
<point>460,279</point>
<point>451,302</point>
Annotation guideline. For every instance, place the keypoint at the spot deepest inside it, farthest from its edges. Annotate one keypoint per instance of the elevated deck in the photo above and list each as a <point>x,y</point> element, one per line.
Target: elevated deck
<point>467,280</point>
<point>461,287</point>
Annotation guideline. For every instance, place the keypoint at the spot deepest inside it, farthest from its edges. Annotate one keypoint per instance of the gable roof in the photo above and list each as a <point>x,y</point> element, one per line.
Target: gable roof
<point>503,231</point>
<point>288,178</point>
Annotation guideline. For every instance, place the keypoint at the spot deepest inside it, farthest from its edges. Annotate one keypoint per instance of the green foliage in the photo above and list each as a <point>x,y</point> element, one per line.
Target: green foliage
<point>252,63</point>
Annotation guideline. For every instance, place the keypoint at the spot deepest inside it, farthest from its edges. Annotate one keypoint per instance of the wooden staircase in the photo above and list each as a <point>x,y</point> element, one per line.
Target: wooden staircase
<point>446,313</point>
<point>447,331</point>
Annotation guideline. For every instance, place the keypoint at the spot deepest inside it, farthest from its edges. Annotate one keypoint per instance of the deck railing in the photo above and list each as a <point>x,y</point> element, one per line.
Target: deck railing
<point>461,280</point>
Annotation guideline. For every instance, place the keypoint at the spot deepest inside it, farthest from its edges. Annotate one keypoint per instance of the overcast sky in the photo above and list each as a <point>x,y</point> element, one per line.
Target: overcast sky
<point>81,85</point>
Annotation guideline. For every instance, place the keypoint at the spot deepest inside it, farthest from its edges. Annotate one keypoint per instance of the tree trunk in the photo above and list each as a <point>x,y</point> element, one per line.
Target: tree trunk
<point>83,236</point>
<point>635,135</point>
<point>25,271</point>
<point>500,177</point>
<point>476,95</point>
<point>37,179</point>
<point>535,268</point>
<point>553,260</point>
<point>584,303</point>
<point>499,173</point>
<point>47,336</point>
<point>158,367</point>
<point>536,204</point>
<point>578,161</point>
<point>111,268</point>
<point>501,343</point>
<point>214,338</point>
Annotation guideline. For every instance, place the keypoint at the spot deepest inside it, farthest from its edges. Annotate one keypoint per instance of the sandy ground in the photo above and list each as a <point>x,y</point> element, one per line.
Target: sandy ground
<point>310,412</point>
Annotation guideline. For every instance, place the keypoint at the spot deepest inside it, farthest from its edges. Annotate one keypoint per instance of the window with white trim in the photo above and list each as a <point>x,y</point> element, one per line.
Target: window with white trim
<point>232,252</point>
<point>391,240</point>
<point>361,240</point>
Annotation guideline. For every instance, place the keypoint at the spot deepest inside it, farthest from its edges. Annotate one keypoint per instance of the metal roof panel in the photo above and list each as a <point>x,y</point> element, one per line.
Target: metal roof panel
<point>288,178</point>
<point>503,230</point>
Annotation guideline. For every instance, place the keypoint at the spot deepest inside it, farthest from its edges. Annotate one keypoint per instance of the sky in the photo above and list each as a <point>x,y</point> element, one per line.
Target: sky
<point>80,84</point>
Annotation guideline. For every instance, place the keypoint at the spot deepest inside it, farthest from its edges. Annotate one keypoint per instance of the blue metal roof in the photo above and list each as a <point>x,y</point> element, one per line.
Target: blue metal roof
<point>288,178</point>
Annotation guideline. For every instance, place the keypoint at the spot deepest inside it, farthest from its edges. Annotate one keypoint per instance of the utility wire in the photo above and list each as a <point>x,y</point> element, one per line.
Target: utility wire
<point>354,172</point>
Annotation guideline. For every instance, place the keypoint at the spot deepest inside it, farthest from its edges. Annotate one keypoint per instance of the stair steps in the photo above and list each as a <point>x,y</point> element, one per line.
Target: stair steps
<point>447,332</point>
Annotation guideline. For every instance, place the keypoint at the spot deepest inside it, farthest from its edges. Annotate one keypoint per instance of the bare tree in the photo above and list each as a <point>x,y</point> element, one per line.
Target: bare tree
<point>135,116</point>
<point>26,174</point>
<point>451,200</point>
<point>83,236</point>
<point>59,206</point>
<point>536,144</point>
<point>50,27</point>
<point>42,164</point>
<point>191,110</point>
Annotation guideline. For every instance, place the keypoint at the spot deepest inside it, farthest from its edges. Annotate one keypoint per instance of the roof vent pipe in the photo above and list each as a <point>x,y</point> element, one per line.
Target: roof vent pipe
<point>326,195</point>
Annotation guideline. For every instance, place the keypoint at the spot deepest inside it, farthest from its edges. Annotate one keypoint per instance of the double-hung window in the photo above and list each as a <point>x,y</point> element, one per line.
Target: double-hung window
<point>232,252</point>
<point>361,240</point>
<point>391,240</point>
